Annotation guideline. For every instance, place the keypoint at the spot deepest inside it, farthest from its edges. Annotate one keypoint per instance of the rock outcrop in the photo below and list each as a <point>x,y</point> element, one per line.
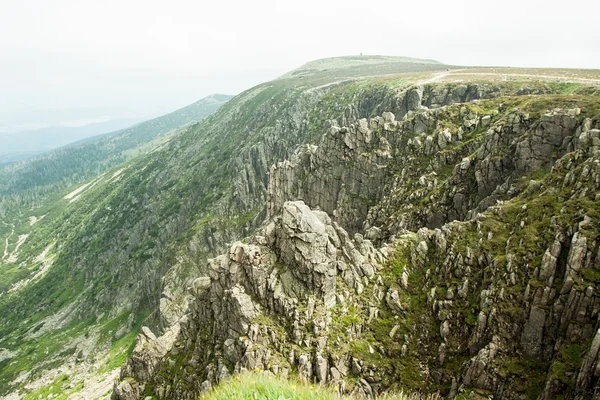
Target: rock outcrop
<point>350,186</point>
<point>267,304</point>
<point>455,250</point>
<point>430,168</point>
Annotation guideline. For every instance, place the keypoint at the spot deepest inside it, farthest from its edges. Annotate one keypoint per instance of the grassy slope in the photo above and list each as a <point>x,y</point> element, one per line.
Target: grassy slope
<point>30,182</point>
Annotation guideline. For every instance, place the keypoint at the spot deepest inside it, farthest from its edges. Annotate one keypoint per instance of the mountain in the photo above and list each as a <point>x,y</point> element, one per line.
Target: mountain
<point>29,181</point>
<point>25,144</point>
<point>328,69</point>
<point>368,232</point>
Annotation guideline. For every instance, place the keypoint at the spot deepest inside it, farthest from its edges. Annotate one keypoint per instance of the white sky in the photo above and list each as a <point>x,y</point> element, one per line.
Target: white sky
<point>73,59</point>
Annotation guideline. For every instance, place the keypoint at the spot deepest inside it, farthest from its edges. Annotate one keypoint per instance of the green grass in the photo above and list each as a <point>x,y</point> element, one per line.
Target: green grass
<point>261,385</point>
<point>121,348</point>
<point>60,389</point>
<point>567,364</point>
<point>264,386</point>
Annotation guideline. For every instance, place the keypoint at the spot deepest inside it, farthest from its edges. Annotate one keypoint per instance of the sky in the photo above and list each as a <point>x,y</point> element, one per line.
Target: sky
<point>80,60</point>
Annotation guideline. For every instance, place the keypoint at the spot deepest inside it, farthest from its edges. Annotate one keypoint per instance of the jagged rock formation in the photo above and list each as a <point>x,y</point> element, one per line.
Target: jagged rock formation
<point>361,172</point>
<point>296,260</point>
<point>471,267</point>
<point>271,142</point>
<point>143,361</point>
<point>126,246</point>
<point>502,288</point>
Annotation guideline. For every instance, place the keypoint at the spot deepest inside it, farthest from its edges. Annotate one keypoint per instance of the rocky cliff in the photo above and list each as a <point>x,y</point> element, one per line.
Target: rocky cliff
<point>271,134</point>
<point>84,268</point>
<point>454,249</point>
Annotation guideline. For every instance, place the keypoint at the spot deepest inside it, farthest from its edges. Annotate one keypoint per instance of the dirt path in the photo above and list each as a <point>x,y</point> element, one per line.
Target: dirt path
<point>436,77</point>
<point>469,73</point>
<point>465,72</point>
<point>8,237</point>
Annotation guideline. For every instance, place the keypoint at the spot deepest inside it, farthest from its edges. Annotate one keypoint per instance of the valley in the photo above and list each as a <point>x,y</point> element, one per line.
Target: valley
<point>369,224</point>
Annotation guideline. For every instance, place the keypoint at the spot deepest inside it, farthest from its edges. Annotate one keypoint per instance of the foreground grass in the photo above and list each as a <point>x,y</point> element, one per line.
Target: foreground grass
<point>264,386</point>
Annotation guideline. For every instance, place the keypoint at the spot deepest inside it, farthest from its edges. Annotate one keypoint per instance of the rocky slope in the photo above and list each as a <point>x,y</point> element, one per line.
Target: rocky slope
<point>123,249</point>
<point>455,250</point>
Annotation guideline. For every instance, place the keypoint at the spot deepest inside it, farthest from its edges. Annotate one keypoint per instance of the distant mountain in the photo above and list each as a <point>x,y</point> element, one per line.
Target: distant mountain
<point>177,119</point>
<point>16,146</point>
<point>89,157</point>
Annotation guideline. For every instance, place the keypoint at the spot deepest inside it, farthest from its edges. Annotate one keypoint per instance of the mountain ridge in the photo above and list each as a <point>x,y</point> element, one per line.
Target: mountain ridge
<point>348,62</point>
<point>121,251</point>
<point>53,137</point>
<point>75,162</point>
<point>277,300</point>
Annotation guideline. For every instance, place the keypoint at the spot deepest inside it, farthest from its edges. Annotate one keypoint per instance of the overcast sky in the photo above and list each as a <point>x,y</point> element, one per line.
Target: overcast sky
<point>85,60</point>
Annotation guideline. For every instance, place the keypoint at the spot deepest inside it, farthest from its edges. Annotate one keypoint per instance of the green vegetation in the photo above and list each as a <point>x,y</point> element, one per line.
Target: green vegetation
<point>61,388</point>
<point>120,350</point>
<point>567,366</point>
<point>528,376</point>
<point>263,385</point>
<point>173,199</point>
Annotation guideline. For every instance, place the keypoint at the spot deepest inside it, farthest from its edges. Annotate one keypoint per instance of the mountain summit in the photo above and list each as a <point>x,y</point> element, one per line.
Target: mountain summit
<point>356,66</point>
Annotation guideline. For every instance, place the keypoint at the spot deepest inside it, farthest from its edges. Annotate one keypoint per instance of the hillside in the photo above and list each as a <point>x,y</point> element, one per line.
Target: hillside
<point>27,181</point>
<point>472,271</point>
<point>327,70</point>
<point>21,145</point>
<point>130,247</point>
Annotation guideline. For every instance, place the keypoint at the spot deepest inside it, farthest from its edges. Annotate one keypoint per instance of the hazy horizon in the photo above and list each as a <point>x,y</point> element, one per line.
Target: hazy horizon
<point>66,61</point>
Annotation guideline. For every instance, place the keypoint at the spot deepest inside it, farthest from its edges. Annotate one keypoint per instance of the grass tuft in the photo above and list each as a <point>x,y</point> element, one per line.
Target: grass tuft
<point>265,386</point>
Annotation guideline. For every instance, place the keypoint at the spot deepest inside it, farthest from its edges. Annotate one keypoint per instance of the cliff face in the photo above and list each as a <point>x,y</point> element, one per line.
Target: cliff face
<point>271,134</point>
<point>431,168</point>
<point>454,250</point>
<point>243,310</point>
